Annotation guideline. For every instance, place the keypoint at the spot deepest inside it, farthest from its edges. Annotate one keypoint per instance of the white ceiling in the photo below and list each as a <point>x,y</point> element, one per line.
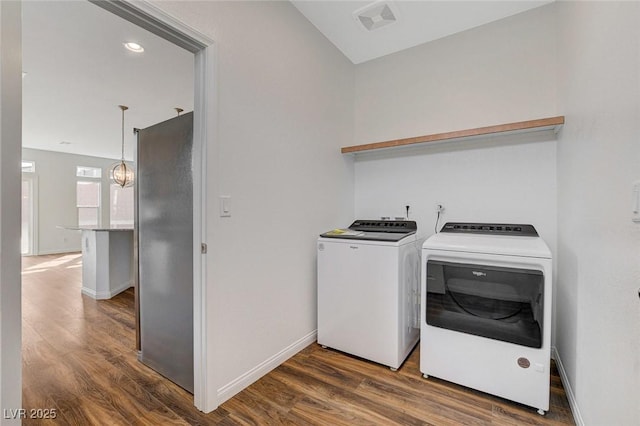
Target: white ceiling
<point>417,22</point>
<point>78,72</point>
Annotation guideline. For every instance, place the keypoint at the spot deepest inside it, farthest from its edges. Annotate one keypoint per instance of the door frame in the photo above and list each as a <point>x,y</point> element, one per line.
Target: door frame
<point>32,179</point>
<point>10,159</point>
<point>153,19</point>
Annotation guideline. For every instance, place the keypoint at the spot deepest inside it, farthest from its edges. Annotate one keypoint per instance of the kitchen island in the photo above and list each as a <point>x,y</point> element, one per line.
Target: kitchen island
<point>107,261</point>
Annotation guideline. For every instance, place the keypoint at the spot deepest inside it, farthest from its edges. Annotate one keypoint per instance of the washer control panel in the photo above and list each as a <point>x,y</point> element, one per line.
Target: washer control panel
<point>403,226</point>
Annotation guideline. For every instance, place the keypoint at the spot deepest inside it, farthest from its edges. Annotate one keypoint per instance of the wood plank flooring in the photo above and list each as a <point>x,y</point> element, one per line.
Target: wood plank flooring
<point>79,358</point>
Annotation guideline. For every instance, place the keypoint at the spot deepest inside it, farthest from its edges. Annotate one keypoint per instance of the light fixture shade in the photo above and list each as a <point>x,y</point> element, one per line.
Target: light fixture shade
<point>121,173</point>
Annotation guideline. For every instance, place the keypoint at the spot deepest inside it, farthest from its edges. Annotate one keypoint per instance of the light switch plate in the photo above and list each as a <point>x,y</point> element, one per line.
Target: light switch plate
<point>225,206</point>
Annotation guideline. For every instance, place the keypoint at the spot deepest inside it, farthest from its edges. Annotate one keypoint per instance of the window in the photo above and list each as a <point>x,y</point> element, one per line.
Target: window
<point>27,214</point>
<point>88,203</point>
<point>88,172</point>
<point>121,215</point>
<point>28,167</point>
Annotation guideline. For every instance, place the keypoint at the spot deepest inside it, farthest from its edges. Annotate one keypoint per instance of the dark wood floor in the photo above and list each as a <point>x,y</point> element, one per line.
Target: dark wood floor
<point>79,358</point>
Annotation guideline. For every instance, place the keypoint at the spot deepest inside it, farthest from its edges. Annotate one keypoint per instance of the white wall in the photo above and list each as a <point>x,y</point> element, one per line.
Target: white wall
<point>598,332</point>
<point>509,71</point>
<point>497,73</point>
<point>284,108</point>
<point>497,182</point>
<point>55,179</point>
<point>494,74</point>
<point>10,137</point>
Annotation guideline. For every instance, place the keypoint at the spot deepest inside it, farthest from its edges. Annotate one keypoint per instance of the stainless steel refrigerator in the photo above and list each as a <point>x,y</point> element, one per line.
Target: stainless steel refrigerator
<point>164,248</point>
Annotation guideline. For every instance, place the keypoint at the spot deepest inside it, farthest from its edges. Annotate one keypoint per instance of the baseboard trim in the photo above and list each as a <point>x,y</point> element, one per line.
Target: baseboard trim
<point>88,292</point>
<point>573,403</point>
<point>105,294</point>
<point>59,251</point>
<point>240,383</point>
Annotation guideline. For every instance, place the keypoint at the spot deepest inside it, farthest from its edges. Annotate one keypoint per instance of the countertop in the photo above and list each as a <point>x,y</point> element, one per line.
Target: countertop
<point>88,228</point>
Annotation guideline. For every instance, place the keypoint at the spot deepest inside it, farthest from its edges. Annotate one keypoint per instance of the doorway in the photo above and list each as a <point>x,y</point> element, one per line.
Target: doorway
<point>29,213</point>
<point>154,20</point>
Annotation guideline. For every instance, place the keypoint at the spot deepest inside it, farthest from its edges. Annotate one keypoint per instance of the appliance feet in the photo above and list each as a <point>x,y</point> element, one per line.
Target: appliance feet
<point>323,347</point>
<point>541,412</point>
<point>393,369</point>
<point>426,376</point>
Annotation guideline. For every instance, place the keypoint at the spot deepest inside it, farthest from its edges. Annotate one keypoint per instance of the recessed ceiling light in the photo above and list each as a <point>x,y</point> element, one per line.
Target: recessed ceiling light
<point>134,47</point>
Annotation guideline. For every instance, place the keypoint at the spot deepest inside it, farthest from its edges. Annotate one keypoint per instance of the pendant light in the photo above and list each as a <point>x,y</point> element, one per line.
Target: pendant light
<point>122,172</point>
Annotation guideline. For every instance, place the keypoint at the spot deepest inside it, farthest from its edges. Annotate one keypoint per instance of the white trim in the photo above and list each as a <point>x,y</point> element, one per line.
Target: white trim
<point>573,403</point>
<point>246,379</point>
<point>32,178</point>
<point>105,294</point>
<point>204,117</point>
<point>10,146</point>
<point>150,17</point>
<point>146,15</point>
<point>35,216</point>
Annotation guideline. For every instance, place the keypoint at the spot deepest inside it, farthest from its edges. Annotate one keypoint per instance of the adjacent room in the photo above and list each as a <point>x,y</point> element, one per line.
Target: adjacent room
<point>389,212</point>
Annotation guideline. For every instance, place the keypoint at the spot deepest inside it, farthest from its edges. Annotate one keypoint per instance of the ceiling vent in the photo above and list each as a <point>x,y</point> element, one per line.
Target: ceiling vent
<point>376,15</point>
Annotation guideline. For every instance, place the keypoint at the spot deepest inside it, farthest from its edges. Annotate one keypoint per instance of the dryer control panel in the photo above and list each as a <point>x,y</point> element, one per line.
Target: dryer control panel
<point>491,228</point>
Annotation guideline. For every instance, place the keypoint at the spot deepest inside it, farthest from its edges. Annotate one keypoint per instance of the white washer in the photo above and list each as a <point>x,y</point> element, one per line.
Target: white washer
<point>368,290</point>
<point>486,311</point>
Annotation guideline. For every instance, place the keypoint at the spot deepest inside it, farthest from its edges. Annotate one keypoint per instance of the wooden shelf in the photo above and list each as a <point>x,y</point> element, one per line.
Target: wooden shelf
<point>552,123</point>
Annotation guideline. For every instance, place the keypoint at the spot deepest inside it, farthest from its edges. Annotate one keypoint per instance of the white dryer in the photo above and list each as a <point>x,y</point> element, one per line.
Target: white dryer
<point>486,311</point>
<point>368,290</point>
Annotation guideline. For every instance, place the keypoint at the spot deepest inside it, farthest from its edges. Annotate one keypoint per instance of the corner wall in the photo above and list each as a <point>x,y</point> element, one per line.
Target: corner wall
<point>494,74</point>
<point>284,108</point>
<point>598,331</point>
